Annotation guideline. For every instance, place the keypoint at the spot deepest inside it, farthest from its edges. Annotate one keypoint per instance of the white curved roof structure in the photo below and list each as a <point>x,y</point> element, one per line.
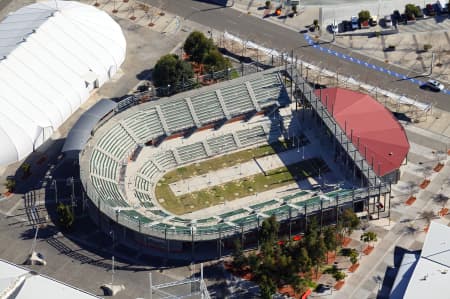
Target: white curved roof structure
<point>52,54</point>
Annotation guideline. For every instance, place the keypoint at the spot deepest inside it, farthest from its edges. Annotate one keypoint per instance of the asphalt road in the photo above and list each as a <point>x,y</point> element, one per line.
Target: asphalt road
<point>284,39</point>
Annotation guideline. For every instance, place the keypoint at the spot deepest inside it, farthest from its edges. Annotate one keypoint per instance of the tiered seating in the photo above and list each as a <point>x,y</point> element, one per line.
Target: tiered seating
<point>213,228</point>
<point>207,107</point>
<point>103,165</point>
<point>145,124</point>
<point>166,160</point>
<point>264,204</point>
<point>144,198</point>
<point>142,184</point>
<point>294,196</point>
<point>109,192</point>
<point>149,170</point>
<point>117,142</point>
<point>252,136</point>
<point>132,214</point>
<point>282,210</point>
<point>222,144</point>
<point>177,115</point>
<point>237,100</point>
<point>267,89</point>
<point>233,213</point>
<point>191,152</point>
<point>246,219</point>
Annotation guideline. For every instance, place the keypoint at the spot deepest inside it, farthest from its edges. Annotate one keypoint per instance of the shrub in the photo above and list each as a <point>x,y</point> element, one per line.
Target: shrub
<point>411,10</point>
<point>10,185</point>
<point>339,275</point>
<point>268,4</point>
<point>427,47</point>
<point>364,15</point>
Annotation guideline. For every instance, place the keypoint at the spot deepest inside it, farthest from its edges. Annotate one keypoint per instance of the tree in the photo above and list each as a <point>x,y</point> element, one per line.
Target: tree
<point>349,221</point>
<point>267,4</point>
<point>170,70</point>
<point>368,237</point>
<point>353,257</point>
<point>239,259</point>
<point>197,45</point>
<point>411,10</point>
<point>364,15</point>
<point>303,260</point>
<point>329,236</point>
<point>427,215</point>
<point>10,184</point>
<point>441,198</point>
<point>26,168</point>
<point>339,275</point>
<point>215,61</point>
<point>294,9</point>
<point>65,216</point>
<point>316,24</point>
<point>269,230</point>
<point>267,287</point>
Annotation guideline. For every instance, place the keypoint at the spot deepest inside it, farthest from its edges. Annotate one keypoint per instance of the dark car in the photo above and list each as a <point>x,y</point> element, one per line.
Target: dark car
<point>346,26</point>
<point>419,13</point>
<point>322,288</point>
<point>396,16</point>
<point>430,10</point>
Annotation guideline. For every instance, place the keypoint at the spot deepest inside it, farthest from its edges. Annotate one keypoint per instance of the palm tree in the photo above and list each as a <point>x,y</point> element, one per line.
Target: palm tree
<point>428,216</point>
<point>368,237</point>
<point>441,198</point>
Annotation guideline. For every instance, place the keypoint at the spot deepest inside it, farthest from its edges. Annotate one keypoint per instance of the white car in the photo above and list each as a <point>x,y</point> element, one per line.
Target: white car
<point>334,28</point>
<point>387,21</point>
<point>434,85</point>
<point>355,22</point>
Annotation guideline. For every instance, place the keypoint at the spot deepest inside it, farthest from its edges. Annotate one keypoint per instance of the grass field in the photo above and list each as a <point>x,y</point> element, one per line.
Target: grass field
<point>239,188</point>
<point>228,160</point>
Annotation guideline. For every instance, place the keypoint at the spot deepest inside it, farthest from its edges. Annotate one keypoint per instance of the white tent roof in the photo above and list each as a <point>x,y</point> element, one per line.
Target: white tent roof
<point>46,50</point>
<point>28,285</point>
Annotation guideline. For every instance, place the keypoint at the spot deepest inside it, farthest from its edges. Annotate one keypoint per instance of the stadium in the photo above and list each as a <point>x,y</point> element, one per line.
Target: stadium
<point>184,176</point>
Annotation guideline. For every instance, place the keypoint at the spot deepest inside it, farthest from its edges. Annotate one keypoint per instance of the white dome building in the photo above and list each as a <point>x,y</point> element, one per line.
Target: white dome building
<point>52,54</point>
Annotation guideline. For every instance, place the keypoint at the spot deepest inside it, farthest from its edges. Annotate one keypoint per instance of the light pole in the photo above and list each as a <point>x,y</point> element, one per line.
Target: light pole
<point>56,191</point>
<point>113,238</point>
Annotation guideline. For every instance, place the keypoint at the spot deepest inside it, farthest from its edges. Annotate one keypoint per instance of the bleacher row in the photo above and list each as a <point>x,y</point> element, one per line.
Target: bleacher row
<point>154,120</point>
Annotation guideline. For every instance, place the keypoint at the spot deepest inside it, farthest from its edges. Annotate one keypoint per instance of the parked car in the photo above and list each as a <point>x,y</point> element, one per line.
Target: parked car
<point>441,7</point>
<point>430,10</point>
<point>373,21</point>
<point>333,27</point>
<point>364,24</point>
<point>419,13</point>
<point>397,17</point>
<point>433,85</point>
<point>346,26</point>
<point>387,21</point>
<point>355,22</point>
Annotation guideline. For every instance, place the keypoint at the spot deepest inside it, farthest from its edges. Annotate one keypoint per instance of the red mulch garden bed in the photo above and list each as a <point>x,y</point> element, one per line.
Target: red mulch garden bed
<point>368,250</point>
<point>346,241</point>
<point>410,200</point>
<point>331,257</point>
<point>448,152</point>
<point>353,267</point>
<point>424,184</point>
<point>339,285</point>
<point>426,228</point>
<point>438,167</point>
<point>6,194</point>
<point>443,212</point>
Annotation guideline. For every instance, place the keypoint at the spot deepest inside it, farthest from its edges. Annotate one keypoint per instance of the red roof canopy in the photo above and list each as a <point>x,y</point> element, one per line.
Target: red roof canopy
<point>373,129</point>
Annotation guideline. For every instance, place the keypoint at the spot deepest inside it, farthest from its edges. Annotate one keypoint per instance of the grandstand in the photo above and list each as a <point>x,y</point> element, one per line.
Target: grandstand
<point>129,200</point>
